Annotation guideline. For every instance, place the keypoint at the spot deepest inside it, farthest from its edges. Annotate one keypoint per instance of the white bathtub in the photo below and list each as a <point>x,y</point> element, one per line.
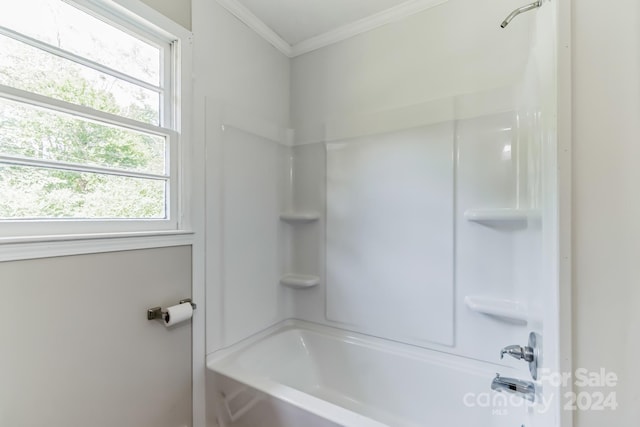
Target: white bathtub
<point>347,379</point>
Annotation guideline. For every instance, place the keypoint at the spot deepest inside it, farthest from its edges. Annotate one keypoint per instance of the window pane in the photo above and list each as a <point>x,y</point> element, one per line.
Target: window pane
<point>64,26</point>
<point>27,68</point>
<point>41,134</point>
<point>37,193</point>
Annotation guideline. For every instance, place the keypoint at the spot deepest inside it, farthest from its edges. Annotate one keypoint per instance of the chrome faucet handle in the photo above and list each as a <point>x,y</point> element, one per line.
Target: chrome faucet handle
<point>518,352</point>
<point>528,354</point>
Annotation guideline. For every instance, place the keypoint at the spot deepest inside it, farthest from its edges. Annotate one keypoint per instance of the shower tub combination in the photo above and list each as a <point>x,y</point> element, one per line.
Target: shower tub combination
<point>299,373</point>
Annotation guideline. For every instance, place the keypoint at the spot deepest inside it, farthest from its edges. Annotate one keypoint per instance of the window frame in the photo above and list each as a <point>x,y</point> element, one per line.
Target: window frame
<point>144,23</point>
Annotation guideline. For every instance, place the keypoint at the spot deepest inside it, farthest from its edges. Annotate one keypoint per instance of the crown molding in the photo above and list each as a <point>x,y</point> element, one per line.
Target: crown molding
<point>369,23</point>
<point>256,24</point>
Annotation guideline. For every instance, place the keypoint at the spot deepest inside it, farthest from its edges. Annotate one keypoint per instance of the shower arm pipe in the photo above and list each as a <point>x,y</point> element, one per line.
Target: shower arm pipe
<point>518,11</point>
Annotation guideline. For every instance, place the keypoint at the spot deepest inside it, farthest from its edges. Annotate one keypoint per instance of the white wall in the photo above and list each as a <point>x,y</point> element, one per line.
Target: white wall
<point>606,200</point>
<point>177,10</point>
<point>455,48</point>
<point>236,67</point>
<point>239,75</point>
<point>76,347</point>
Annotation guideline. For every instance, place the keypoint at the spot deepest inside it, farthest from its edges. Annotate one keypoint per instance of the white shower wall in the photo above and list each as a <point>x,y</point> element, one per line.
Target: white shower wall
<point>467,73</point>
<point>390,233</point>
<point>253,195</point>
<point>486,258</point>
<point>239,74</point>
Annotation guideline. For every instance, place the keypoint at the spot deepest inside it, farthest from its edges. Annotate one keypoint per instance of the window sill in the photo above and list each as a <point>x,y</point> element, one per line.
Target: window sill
<point>32,247</point>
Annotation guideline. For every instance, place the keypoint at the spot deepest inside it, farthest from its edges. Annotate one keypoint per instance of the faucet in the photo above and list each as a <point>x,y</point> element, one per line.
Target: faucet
<point>527,353</point>
<point>518,353</point>
<point>525,389</point>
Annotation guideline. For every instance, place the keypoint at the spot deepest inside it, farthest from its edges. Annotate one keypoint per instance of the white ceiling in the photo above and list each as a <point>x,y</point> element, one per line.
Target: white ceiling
<point>298,20</point>
<point>299,26</point>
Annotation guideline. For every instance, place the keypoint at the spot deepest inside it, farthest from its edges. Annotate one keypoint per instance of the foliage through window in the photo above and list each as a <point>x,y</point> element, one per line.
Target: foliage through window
<point>86,116</point>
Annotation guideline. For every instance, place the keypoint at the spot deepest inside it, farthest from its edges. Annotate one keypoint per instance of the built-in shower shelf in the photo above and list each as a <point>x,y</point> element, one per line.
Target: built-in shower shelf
<point>511,310</point>
<point>299,217</point>
<point>504,215</point>
<point>299,281</point>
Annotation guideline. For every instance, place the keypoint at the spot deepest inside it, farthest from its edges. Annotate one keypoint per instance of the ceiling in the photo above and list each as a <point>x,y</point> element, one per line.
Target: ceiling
<point>299,20</point>
<point>300,26</point>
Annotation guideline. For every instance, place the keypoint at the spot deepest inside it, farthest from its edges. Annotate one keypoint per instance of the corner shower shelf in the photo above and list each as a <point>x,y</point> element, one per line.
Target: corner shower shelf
<point>504,215</point>
<point>299,281</point>
<point>511,310</point>
<point>299,217</point>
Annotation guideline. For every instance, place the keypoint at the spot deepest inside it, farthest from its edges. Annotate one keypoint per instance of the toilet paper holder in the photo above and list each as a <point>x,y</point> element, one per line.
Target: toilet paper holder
<point>159,313</point>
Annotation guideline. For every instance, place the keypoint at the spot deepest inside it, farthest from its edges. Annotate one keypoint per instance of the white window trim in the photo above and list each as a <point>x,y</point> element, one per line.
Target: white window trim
<point>24,248</point>
<point>31,238</point>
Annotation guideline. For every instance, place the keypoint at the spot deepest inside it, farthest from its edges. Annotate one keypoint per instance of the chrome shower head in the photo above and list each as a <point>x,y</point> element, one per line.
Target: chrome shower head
<point>520,10</point>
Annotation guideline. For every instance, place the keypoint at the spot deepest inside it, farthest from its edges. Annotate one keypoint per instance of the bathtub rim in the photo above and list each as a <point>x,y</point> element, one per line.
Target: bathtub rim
<point>369,341</point>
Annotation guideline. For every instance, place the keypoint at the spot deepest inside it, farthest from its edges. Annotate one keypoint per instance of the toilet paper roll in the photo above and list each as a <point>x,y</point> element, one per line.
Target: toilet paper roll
<point>177,314</point>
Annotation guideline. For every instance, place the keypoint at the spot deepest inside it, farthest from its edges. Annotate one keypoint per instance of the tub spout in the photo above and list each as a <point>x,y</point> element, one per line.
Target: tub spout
<point>525,389</point>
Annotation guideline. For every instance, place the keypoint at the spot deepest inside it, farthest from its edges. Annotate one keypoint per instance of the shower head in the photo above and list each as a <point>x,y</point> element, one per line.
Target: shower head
<point>518,11</point>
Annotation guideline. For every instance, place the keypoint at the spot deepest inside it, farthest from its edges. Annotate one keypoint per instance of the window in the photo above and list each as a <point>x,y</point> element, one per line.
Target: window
<point>88,121</point>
